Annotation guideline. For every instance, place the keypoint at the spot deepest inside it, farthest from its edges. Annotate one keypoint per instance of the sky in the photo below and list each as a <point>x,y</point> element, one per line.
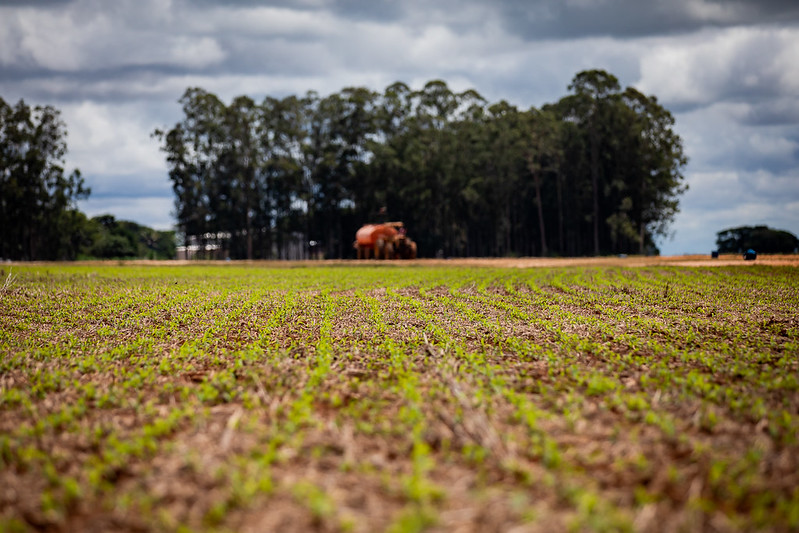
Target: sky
<point>727,70</point>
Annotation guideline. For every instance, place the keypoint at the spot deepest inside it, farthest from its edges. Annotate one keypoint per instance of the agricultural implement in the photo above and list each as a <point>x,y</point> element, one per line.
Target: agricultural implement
<point>384,241</point>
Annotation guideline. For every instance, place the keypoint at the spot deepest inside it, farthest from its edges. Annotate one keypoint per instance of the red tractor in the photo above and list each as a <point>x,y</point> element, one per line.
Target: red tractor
<point>384,241</point>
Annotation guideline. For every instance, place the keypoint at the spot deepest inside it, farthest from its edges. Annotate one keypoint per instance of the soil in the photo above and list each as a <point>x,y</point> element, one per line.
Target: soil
<point>626,397</point>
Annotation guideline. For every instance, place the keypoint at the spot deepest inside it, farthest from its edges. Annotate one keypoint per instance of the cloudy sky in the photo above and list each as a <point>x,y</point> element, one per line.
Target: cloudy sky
<point>727,69</point>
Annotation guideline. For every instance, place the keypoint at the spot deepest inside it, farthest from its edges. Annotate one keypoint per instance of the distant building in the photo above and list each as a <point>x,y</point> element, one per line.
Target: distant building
<point>206,246</point>
<point>216,246</point>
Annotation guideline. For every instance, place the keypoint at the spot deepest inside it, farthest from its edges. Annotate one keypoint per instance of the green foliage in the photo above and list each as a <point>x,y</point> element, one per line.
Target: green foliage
<point>108,238</point>
<point>762,239</point>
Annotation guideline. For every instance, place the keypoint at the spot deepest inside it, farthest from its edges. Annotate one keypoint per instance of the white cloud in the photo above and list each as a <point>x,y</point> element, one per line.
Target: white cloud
<point>51,40</point>
<point>785,65</point>
<point>119,132</point>
<point>723,64</point>
<point>719,136</point>
<point>87,35</point>
<point>268,22</point>
<point>717,191</point>
<point>195,52</point>
<point>10,37</point>
<point>712,190</point>
<point>780,148</point>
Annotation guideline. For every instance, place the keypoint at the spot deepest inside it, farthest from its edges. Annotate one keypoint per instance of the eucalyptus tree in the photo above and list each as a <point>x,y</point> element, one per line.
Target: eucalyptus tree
<point>408,169</point>
<point>506,143</point>
<point>626,143</point>
<point>589,106</point>
<point>192,146</point>
<point>323,171</point>
<point>358,135</point>
<point>430,178</point>
<point>216,163</point>
<point>382,182</point>
<point>658,158</point>
<point>543,153</point>
<point>315,156</point>
<point>38,211</point>
<point>470,188</point>
<point>282,135</point>
<point>237,180</point>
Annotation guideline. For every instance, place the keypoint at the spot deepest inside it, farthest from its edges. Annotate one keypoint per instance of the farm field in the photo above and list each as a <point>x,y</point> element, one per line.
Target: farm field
<point>432,396</point>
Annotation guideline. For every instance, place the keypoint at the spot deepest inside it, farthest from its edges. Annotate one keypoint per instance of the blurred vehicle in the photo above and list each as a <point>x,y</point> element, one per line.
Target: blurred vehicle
<point>384,241</point>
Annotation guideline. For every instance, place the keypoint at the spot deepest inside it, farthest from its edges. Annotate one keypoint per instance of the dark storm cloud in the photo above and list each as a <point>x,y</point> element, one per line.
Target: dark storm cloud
<point>561,19</point>
<point>558,19</point>
<point>33,3</point>
<point>131,186</point>
<point>777,112</point>
<point>375,10</point>
<point>133,82</point>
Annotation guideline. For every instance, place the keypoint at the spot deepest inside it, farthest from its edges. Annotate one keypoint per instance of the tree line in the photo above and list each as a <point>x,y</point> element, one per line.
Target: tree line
<point>597,172</point>
<point>761,239</point>
<point>39,217</point>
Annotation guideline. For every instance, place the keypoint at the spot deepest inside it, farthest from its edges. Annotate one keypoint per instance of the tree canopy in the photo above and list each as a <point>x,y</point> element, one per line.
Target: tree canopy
<point>105,237</point>
<point>598,172</point>
<point>761,239</point>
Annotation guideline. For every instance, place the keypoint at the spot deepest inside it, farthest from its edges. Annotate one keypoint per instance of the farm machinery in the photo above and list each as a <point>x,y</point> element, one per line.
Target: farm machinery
<point>384,241</point>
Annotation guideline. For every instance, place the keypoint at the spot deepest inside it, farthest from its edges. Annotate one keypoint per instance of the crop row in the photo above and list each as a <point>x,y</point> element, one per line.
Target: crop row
<point>399,398</point>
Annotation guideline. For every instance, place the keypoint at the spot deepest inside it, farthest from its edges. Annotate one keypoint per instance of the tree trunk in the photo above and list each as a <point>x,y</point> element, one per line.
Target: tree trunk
<point>537,183</point>
<point>249,232</point>
<point>641,225</point>
<point>595,183</point>
<point>560,213</point>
